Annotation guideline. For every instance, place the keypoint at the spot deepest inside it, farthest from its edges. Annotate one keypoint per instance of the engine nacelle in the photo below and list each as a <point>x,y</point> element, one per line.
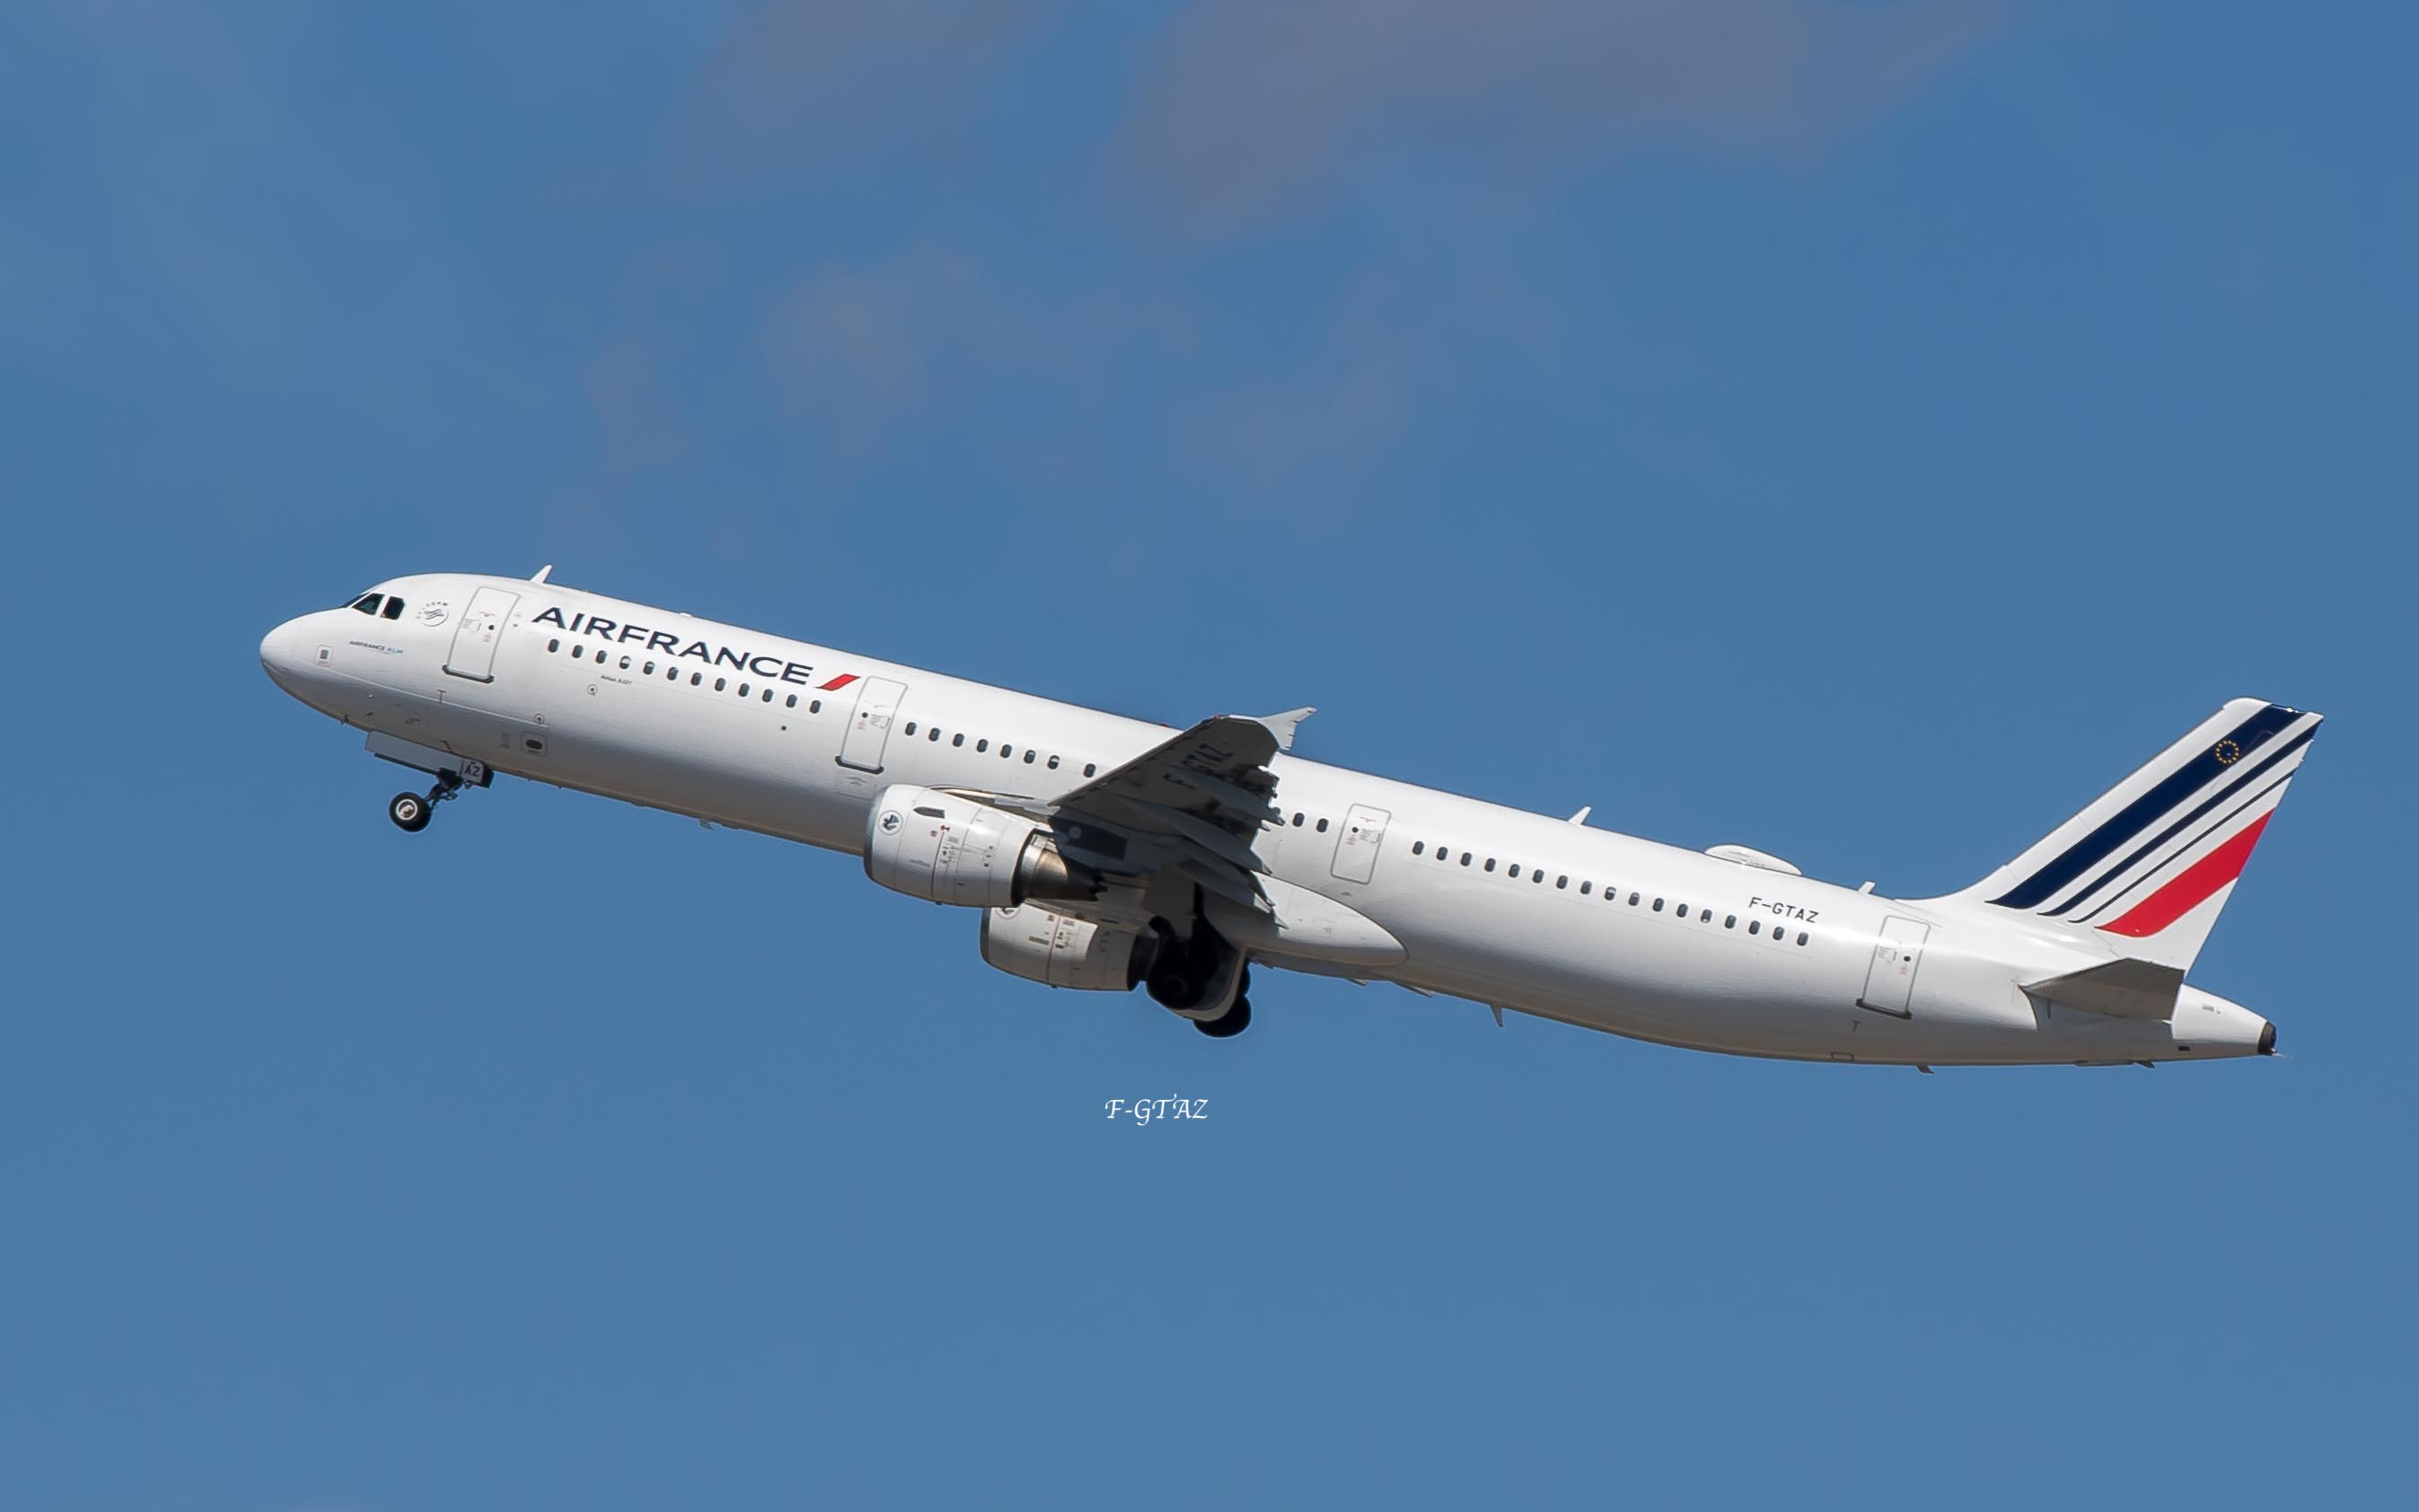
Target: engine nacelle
<point>949,849</point>
<point>1041,946</point>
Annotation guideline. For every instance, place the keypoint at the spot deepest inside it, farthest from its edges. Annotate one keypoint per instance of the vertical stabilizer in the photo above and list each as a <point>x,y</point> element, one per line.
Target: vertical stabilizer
<point>2151,864</point>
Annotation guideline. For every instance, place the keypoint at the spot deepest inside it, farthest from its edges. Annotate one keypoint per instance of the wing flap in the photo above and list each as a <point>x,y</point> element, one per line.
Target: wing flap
<point>1192,805</point>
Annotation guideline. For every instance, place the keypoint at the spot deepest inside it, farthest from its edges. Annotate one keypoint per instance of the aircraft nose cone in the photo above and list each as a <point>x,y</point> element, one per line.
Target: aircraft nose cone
<point>279,656</point>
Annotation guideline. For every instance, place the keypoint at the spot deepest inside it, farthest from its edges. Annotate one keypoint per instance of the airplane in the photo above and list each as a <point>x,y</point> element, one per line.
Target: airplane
<point>1102,852</point>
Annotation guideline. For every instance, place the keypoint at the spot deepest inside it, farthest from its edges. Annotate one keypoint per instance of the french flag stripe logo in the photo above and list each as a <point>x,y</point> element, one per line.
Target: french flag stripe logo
<point>2171,793</point>
<point>2193,886</point>
<point>2223,794</point>
<point>2146,867</point>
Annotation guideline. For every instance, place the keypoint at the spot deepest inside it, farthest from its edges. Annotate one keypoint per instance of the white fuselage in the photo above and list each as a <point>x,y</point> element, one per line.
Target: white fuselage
<point>796,740</point>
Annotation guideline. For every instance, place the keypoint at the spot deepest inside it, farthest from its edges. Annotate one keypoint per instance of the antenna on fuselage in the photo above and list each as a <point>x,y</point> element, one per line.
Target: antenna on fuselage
<point>539,576</point>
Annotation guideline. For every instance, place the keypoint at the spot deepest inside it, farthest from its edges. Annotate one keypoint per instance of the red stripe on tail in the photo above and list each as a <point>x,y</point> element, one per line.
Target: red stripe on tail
<point>2192,888</point>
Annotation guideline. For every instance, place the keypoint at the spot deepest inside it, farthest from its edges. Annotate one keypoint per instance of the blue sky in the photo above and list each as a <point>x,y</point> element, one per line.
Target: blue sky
<point>1858,431</point>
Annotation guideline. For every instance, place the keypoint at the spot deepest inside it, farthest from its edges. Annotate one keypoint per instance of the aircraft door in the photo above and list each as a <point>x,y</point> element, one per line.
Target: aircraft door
<point>869,728</point>
<point>474,640</point>
<point>1889,982</point>
<point>1356,849</point>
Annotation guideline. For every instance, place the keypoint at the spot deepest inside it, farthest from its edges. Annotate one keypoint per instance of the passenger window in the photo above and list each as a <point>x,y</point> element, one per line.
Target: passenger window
<point>601,654</point>
<point>1801,936</point>
<point>1465,857</point>
<point>1323,827</point>
<point>1419,847</point>
<point>720,684</point>
<point>648,670</point>
<point>1658,905</point>
<point>958,739</point>
<point>1729,922</point>
<point>934,735</point>
<point>1053,764</point>
<point>394,608</point>
<point>1490,863</point>
<point>1297,819</point>
<point>1514,872</point>
<point>910,727</point>
<point>1633,899</point>
<point>578,652</point>
<point>697,679</point>
<point>982,745</point>
<point>790,703</point>
<point>1090,768</point>
<point>768,695</point>
<point>743,691</point>
<point>1006,750</point>
<point>1706,917</point>
<point>814,705</point>
<point>1755,926</point>
<point>625,664</point>
<point>1560,882</point>
<point>553,646</point>
<point>1586,887</point>
<point>1028,755</point>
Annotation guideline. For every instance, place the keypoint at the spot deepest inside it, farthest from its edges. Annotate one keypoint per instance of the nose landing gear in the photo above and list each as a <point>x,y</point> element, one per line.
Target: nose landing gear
<point>411,811</point>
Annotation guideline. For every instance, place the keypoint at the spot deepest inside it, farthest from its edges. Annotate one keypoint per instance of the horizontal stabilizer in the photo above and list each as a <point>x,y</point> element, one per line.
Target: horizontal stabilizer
<point>2128,989</point>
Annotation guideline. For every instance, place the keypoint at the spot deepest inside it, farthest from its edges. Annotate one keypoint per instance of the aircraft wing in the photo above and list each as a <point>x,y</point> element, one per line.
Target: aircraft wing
<point>1193,804</point>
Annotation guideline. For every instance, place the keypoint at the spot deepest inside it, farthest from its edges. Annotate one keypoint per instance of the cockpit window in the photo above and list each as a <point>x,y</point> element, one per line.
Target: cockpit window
<point>367,603</point>
<point>394,608</point>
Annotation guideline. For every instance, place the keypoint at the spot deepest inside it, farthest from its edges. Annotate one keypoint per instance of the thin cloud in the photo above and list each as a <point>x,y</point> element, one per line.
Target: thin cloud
<point>811,86</point>
<point>862,345</point>
<point>1251,102</point>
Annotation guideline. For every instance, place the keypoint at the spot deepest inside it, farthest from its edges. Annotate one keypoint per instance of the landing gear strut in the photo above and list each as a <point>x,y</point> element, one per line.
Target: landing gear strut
<point>1190,974</point>
<point>411,811</point>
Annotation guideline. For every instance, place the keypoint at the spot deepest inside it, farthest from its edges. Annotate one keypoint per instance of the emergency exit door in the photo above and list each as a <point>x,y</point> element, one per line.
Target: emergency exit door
<point>474,640</point>
<point>1356,849</point>
<point>1890,981</point>
<point>869,728</point>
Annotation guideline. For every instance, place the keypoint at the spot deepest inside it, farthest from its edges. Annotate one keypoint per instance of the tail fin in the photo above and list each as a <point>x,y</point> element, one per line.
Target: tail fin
<point>2153,860</point>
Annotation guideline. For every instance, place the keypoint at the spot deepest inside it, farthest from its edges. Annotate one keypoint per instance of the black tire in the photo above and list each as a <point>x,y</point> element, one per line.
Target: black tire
<point>1172,986</point>
<point>409,812</point>
<point>1229,1024</point>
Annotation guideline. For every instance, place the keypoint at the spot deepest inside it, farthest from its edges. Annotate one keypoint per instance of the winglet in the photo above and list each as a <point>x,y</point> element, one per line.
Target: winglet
<point>1581,817</point>
<point>539,576</point>
<point>1281,725</point>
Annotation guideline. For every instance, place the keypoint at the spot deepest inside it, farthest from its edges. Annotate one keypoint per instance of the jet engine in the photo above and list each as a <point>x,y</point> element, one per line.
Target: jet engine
<point>1039,944</point>
<point>950,850</point>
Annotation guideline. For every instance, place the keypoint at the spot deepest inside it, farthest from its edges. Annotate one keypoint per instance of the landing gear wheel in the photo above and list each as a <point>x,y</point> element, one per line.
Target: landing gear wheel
<point>1172,986</point>
<point>1229,1024</point>
<point>409,812</point>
